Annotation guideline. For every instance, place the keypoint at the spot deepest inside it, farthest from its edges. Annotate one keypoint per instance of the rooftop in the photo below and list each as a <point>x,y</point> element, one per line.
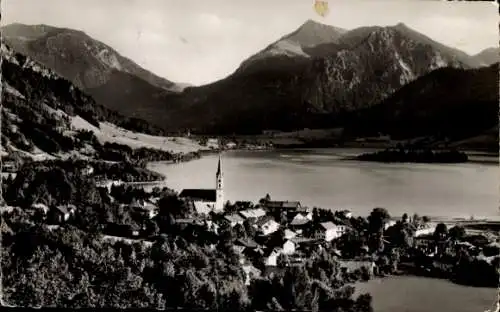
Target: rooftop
<point>253,213</point>
<point>328,225</point>
<point>199,194</point>
<point>234,218</point>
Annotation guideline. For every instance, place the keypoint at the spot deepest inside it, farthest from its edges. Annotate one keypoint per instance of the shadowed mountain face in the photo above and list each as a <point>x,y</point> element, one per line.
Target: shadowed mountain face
<point>90,65</point>
<point>449,103</point>
<point>313,77</point>
<point>314,86</point>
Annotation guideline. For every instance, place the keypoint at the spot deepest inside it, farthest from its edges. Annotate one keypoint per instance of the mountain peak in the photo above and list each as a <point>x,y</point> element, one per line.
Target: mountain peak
<point>313,33</point>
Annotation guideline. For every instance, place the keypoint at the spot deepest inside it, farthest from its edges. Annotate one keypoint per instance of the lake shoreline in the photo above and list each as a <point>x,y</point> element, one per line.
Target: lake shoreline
<point>312,177</point>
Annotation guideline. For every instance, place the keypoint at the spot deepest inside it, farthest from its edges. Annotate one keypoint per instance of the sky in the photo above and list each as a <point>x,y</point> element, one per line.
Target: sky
<point>201,41</point>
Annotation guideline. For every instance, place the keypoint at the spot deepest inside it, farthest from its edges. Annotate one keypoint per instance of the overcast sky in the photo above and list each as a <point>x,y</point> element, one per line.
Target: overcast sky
<point>200,41</point>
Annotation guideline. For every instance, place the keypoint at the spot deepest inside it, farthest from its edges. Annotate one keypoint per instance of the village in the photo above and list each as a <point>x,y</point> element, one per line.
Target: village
<point>271,235</point>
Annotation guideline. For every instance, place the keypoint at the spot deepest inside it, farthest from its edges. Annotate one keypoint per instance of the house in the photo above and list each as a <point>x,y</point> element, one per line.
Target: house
<point>213,143</point>
<point>38,207</point>
<point>234,219</point>
<point>108,184</point>
<point>300,219</point>
<point>206,200</point>
<point>245,247</point>
<point>144,208</point>
<point>251,273</point>
<point>307,245</point>
<point>271,256</point>
<point>299,223</point>
<point>253,213</point>
<point>62,213</point>
<point>425,229</point>
<point>332,231</point>
<point>288,247</point>
<point>289,234</point>
<point>277,206</point>
<point>267,226</point>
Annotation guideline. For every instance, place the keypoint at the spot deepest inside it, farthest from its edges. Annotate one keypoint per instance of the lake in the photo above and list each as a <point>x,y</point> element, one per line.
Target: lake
<point>421,294</point>
<point>321,178</point>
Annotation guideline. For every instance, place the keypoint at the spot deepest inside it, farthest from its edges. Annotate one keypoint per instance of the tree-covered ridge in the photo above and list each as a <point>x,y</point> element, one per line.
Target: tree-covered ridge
<point>62,182</point>
<point>32,97</point>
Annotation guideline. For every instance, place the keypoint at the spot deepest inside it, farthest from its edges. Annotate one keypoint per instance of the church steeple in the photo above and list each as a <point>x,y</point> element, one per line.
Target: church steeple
<point>218,168</point>
<point>219,187</point>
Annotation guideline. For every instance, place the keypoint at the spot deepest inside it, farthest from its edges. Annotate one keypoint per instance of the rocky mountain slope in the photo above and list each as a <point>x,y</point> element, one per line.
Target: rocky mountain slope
<point>296,44</point>
<point>115,81</point>
<point>43,115</point>
<point>352,70</point>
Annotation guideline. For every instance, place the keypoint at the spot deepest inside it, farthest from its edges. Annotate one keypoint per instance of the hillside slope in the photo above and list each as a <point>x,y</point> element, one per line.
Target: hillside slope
<point>39,110</point>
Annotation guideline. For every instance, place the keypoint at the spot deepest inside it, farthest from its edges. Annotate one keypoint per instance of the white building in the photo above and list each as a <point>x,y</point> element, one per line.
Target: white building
<point>332,231</point>
<point>289,234</point>
<point>268,227</point>
<point>271,257</point>
<point>289,247</point>
<point>425,229</point>
<point>206,200</point>
<point>253,213</point>
<point>234,219</point>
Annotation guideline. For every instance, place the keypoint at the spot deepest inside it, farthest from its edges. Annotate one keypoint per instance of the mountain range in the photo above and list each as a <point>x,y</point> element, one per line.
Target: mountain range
<point>318,76</point>
<point>113,80</point>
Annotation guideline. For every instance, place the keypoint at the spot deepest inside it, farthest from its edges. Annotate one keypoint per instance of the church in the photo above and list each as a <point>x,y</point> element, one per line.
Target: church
<point>206,200</point>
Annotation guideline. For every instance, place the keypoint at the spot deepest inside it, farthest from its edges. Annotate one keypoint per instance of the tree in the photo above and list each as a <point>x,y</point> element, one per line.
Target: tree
<point>457,233</point>
<point>441,232</point>
<point>404,219</point>
<point>416,220</point>
<point>377,219</point>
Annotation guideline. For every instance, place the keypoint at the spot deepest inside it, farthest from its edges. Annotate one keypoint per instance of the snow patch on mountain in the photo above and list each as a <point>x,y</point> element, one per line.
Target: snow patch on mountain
<point>437,61</point>
<point>407,74</point>
<point>109,59</point>
<point>13,91</point>
<point>287,47</point>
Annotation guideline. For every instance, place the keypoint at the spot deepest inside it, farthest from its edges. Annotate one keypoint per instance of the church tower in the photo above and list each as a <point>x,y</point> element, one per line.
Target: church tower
<point>219,188</point>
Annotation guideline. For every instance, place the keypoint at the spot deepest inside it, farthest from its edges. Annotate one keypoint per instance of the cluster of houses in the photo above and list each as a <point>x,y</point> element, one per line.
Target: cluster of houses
<point>293,222</point>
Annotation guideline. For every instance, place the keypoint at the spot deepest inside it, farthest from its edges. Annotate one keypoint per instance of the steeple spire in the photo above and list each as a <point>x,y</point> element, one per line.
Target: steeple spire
<point>218,167</point>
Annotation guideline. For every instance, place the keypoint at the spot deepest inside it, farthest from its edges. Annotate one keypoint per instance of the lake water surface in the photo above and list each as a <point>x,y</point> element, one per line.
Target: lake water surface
<point>421,294</point>
<point>321,178</point>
